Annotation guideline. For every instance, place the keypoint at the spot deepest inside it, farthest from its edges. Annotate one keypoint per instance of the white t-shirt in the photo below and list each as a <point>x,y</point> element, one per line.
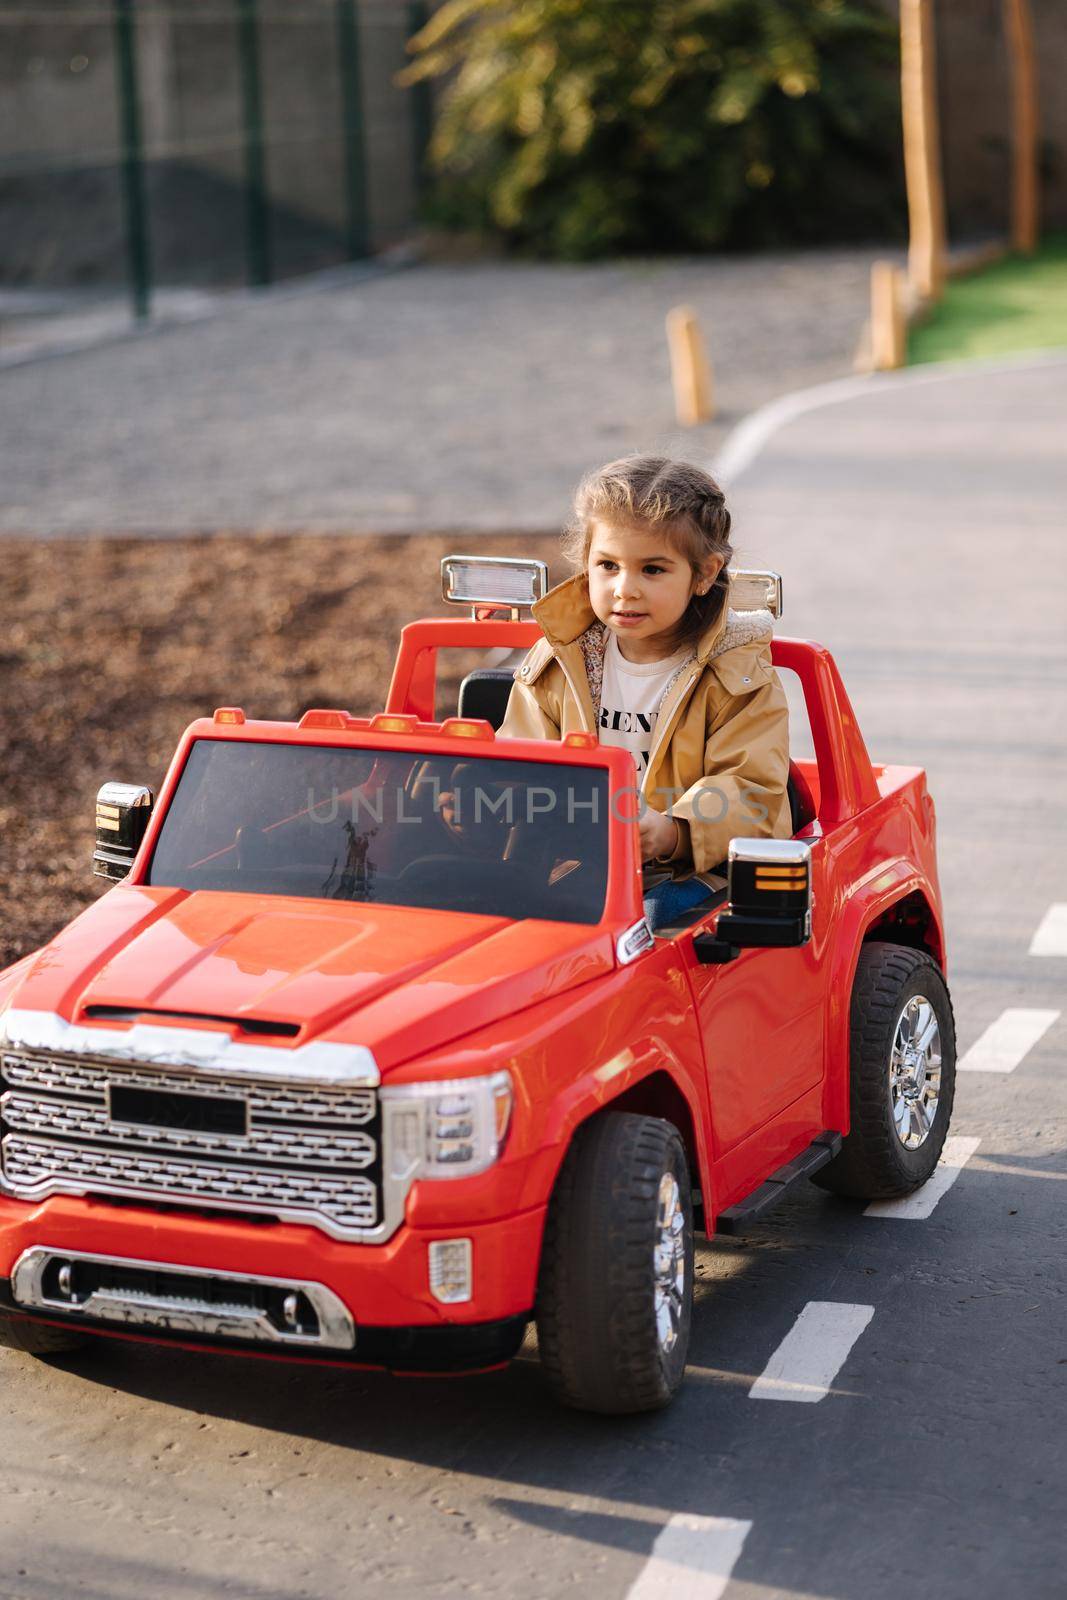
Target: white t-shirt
<point>630,700</point>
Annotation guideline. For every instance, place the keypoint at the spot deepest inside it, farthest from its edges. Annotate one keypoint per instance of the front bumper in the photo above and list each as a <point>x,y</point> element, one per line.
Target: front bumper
<point>415,1351</point>
<point>385,1288</point>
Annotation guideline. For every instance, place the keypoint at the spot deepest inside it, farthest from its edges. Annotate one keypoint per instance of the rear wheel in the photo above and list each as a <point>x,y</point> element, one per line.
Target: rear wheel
<point>615,1295</point>
<point>903,1075</point>
<point>39,1338</point>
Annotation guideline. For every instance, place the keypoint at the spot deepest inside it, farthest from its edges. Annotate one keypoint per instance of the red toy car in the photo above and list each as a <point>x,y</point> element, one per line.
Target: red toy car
<point>371,1057</point>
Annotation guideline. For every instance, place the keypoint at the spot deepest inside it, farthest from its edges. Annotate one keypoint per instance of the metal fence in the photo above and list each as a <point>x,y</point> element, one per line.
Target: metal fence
<point>204,143</point>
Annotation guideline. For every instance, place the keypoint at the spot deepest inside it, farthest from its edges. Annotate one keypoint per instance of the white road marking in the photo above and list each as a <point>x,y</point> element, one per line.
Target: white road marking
<point>812,1353</point>
<point>744,444</point>
<point>692,1558</point>
<point>1005,1042</point>
<point>916,1207</point>
<point>1051,937</point>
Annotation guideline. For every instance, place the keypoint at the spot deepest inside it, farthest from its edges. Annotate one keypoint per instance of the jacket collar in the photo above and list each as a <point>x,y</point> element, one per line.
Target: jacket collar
<point>565,613</point>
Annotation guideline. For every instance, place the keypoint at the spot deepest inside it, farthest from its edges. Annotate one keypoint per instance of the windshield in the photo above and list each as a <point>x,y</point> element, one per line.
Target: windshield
<point>503,838</point>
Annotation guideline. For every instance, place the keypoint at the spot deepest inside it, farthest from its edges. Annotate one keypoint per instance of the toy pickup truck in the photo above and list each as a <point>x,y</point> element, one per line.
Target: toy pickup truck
<point>370,1057</point>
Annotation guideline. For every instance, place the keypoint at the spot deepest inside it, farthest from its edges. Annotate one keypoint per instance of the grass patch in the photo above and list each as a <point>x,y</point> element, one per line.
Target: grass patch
<point>1019,304</point>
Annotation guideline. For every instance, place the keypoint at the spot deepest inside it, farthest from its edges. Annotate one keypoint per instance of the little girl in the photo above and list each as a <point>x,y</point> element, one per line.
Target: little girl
<point>640,647</point>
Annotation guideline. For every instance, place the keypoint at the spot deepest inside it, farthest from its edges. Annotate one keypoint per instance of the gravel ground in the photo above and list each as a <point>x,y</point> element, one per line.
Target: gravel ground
<point>108,654</point>
<point>439,397</point>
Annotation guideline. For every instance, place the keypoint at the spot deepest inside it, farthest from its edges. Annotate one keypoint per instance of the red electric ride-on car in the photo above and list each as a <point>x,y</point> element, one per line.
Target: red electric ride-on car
<point>370,1057</point>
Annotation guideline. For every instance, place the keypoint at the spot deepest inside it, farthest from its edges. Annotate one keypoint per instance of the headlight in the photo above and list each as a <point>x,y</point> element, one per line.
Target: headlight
<point>446,1130</point>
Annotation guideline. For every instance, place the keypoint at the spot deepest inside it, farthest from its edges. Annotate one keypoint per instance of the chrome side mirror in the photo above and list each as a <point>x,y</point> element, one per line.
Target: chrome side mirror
<point>122,814</point>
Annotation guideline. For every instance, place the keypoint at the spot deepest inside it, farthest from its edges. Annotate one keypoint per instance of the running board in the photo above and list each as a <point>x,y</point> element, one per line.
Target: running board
<point>735,1219</point>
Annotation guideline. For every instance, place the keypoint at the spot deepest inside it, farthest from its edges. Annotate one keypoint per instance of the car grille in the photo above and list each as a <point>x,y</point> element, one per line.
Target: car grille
<point>68,1125</point>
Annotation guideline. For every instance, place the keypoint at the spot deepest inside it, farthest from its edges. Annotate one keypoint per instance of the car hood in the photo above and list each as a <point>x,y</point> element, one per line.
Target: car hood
<point>399,981</point>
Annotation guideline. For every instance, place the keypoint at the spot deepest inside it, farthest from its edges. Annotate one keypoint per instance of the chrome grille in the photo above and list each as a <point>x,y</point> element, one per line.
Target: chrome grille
<point>309,1155</point>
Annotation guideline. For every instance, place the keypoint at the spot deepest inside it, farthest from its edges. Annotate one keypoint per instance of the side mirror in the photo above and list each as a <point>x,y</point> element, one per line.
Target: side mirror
<point>122,813</point>
<point>769,904</point>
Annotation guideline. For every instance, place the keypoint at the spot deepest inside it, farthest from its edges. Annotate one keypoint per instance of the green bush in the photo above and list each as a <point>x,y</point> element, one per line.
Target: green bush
<point>579,128</point>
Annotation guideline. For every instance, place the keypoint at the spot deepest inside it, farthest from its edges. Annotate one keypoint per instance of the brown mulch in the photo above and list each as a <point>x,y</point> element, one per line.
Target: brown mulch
<point>111,647</point>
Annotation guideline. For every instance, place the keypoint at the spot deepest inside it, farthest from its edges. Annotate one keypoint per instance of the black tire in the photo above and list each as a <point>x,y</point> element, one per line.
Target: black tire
<point>874,1163</point>
<point>596,1297</point>
<point>39,1338</point>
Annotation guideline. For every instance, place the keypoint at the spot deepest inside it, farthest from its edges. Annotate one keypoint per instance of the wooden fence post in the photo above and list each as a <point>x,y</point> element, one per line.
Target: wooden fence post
<point>922,149</point>
<point>1018,26</point>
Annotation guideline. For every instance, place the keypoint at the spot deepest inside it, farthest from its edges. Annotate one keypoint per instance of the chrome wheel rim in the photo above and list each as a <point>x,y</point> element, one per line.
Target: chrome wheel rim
<point>915,1072</point>
<point>668,1262</point>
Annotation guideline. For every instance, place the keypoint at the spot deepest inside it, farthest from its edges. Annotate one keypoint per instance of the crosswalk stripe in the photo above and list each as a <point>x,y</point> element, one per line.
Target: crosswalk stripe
<point>692,1558</point>
<point>812,1353</point>
<point>918,1206</point>
<point>1051,936</point>
<point>1007,1040</point>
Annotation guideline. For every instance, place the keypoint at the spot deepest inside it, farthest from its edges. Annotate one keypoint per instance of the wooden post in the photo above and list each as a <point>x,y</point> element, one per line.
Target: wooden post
<point>1018,26</point>
<point>922,149</point>
<point>690,368</point>
<point>888,346</point>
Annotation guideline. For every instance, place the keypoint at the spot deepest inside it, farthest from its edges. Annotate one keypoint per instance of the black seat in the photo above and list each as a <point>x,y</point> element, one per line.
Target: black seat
<point>801,801</point>
<point>484,693</point>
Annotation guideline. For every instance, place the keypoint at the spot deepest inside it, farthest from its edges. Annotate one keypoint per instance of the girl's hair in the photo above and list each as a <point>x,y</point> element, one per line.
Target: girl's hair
<point>685,502</point>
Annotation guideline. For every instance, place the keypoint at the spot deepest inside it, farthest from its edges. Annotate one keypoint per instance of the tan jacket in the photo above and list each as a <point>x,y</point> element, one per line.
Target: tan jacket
<point>720,753</point>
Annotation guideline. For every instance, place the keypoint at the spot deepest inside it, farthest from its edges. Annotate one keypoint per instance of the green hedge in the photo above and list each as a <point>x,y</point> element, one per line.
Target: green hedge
<point>579,128</point>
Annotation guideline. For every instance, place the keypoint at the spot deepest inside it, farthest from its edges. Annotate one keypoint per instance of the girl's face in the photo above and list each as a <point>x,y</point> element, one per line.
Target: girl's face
<point>640,586</point>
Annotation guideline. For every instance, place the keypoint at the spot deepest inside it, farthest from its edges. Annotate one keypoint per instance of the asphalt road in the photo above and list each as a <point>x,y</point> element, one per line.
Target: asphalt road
<point>920,530</point>
<point>439,397</point>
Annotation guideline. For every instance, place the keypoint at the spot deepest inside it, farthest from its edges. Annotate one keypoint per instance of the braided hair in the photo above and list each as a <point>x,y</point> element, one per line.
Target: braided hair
<point>674,496</point>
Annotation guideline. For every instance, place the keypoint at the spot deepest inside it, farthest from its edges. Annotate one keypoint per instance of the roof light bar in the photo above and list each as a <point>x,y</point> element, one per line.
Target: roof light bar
<point>496,583</point>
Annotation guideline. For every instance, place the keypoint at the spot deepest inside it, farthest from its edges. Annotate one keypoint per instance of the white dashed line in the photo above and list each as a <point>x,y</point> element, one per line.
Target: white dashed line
<point>916,1207</point>
<point>692,1559</point>
<point>812,1353</point>
<point>1051,937</point>
<point>1008,1040</point>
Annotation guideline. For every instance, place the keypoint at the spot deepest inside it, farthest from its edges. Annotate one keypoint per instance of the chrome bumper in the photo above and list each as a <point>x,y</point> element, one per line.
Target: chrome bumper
<point>177,1300</point>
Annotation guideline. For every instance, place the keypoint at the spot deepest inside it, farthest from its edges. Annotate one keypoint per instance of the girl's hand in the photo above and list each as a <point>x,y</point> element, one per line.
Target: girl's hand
<point>659,835</point>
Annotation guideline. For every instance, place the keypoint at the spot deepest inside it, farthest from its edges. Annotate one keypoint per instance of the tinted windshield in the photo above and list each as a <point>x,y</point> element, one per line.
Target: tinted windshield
<point>504,838</point>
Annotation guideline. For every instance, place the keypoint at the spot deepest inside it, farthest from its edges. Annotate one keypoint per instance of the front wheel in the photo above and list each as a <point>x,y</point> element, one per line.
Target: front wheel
<point>615,1295</point>
<point>903,1075</point>
<point>39,1338</point>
